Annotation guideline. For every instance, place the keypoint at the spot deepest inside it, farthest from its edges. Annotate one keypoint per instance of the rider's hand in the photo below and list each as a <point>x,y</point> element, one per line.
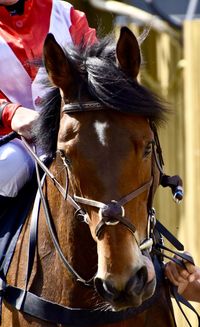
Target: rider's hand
<point>23,120</point>
<point>182,277</point>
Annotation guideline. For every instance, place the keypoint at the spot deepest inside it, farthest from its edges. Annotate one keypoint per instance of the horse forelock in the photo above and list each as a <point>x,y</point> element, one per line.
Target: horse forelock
<point>45,129</point>
<point>105,81</point>
<point>99,75</point>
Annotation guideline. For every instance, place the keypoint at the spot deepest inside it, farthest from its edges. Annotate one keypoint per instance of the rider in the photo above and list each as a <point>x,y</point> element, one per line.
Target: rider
<point>23,27</point>
<point>187,280</point>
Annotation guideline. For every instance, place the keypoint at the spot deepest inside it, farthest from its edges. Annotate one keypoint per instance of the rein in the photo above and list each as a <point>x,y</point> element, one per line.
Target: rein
<point>111,213</point>
<point>67,197</point>
<point>61,189</point>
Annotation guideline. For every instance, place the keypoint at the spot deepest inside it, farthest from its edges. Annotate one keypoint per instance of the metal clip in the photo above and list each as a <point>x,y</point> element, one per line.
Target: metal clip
<point>147,244</point>
<point>178,194</point>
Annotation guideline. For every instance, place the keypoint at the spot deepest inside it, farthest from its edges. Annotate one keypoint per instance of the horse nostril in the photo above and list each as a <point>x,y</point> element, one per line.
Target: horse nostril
<point>98,283</point>
<point>109,288</point>
<point>105,288</point>
<point>134,287</point>
<point>137,282</point>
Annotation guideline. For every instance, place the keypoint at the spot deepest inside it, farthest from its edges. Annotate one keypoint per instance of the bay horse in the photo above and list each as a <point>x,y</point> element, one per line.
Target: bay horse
<point>98,125</point>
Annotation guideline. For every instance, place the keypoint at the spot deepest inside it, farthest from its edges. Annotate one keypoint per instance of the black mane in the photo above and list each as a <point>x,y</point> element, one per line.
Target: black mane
<point>99,76</point>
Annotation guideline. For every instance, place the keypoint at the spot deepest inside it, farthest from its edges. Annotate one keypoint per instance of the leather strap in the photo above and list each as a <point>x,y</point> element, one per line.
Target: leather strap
<point>7,138</point>
<point>169,236</point>
<point>55,240</point>
<point>180,299</point>
<point>121,201</point>
<point>57,314</point>
<point>71,108</point>
<point>121,220</point>
<point>77,317</point>
<point>183,257</point>
<point>32,244</point>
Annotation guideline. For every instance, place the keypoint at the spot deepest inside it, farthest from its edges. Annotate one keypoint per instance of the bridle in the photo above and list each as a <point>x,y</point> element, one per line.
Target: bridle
<point>111,213</point>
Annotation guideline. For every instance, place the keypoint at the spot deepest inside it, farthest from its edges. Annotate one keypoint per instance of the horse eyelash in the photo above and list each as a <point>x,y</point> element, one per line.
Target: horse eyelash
<point>148,149</point>
<point>64,158</point>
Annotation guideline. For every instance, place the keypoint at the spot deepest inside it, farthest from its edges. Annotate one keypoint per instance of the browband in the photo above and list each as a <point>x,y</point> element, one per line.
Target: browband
<point>83,106</point>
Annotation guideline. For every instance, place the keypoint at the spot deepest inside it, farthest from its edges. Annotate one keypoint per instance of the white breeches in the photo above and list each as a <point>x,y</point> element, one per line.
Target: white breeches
<point>16,167</point>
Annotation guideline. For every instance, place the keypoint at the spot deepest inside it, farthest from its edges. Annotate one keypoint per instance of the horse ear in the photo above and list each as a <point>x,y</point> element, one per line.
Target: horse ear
<point>56,63</point>
<point>128,52</point>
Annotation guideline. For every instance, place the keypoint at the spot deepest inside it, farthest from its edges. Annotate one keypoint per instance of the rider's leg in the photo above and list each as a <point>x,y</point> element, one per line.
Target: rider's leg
<point>5,204</point>
<point>16,168</point>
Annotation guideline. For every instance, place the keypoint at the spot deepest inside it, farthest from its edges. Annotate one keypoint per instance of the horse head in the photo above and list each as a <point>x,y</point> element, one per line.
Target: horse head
<point>106,143</point>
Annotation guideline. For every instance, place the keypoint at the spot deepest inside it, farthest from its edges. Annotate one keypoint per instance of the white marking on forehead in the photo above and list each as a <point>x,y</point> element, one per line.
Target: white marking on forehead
<point>101,131</point>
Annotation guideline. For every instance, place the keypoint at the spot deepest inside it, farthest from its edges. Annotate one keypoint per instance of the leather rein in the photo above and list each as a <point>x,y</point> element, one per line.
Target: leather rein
<point>111,213</point>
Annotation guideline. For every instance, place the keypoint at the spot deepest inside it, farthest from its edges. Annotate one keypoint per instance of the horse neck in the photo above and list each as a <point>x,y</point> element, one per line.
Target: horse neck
<point>76,243</point>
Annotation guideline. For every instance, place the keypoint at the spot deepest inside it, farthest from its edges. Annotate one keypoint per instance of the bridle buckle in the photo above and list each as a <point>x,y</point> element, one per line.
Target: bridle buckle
<point>111,213</point>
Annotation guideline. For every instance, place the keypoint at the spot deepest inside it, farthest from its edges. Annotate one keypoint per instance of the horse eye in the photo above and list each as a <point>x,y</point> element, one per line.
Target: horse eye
<point>65,159</point>
<point>148,149</point>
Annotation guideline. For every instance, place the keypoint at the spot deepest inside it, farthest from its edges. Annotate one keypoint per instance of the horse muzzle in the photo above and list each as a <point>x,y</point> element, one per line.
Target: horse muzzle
<point>135,291</point>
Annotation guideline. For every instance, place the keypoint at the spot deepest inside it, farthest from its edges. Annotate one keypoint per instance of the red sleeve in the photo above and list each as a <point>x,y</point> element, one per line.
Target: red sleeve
<point>80,29</point>
<point>7,115</point>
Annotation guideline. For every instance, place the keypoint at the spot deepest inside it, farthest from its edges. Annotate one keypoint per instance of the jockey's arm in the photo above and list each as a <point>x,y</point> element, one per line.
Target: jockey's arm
<point>80,30</point>
<point>16,118</point>
<point>192,292</point>
<point>187,280</point>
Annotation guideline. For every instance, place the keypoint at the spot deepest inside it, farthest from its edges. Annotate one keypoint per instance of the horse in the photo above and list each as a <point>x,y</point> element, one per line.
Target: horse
<point>98,125</point>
